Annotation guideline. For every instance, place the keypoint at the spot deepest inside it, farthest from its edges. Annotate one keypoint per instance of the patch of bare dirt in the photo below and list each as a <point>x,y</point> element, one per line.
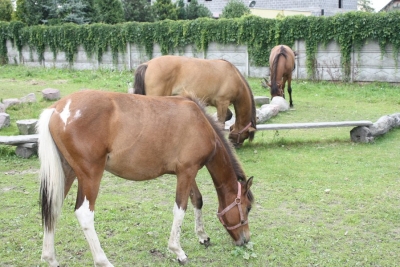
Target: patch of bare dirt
<point>13,172</point>
<point>34,82</point>
<point>157,254</point>
<point>60,81</point>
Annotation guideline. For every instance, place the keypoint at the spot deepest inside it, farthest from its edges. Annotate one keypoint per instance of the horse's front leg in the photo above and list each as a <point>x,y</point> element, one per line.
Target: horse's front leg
<point>174,243</point>
<point>222,109</point>
<point>197,201</point>
<point>283,87</point>
<point>183,186</point>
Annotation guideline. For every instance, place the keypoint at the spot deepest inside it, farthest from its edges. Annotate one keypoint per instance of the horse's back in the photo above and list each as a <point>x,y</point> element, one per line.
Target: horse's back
<point>136,137</point>
<point>276,50</point>
<point>282,60</point>
<point>205,78</point>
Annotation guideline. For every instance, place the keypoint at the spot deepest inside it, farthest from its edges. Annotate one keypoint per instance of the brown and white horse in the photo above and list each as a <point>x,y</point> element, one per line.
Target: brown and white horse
<point>281,66</point>
<point>216,82</point>
<point>137,138</point>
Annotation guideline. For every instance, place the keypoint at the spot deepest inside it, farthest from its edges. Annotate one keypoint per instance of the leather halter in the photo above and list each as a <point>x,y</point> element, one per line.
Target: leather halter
<point>237,202</point>
<point>241,131</point>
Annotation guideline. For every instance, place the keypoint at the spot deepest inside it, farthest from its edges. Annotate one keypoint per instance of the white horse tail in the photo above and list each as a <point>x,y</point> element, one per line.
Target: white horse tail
<point>51,174</point>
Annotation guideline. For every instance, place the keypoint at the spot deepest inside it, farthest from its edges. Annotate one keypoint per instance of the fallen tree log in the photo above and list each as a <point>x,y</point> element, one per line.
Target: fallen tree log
<point>307,125</point>
<point>26,144</point>
<point>19,139</point>
<point>367,134</point>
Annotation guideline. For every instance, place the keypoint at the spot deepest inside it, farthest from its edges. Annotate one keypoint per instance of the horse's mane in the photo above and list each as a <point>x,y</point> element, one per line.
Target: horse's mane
<point>274,86</point>
<point>253,105</point>
<point>227,145</point>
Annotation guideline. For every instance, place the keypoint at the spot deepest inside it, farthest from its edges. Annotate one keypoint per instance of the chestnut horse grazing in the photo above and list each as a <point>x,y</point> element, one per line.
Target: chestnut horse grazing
<point>216,82</point>
<point>281,66</point>
<point>137,138</point>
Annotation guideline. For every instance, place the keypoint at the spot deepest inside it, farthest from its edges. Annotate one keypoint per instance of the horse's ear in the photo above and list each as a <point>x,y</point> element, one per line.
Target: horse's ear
<point>252,129</point>
<point>249,183</point>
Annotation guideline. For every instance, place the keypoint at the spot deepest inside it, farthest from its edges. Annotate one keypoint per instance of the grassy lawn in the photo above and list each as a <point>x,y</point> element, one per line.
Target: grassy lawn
<point>320,200</point>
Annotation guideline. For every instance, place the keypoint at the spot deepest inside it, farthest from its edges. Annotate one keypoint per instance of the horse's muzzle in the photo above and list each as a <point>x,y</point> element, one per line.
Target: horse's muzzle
<point>243,240</point>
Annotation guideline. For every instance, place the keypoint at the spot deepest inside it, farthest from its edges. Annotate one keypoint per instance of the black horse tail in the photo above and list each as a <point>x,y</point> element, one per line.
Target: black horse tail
<point>139,86</point>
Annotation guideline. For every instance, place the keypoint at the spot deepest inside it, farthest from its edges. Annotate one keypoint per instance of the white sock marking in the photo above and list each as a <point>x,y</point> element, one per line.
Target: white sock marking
<point>174,240</point>
<point>86,220</point>
<point>48,252</point>
<point>199,226</point>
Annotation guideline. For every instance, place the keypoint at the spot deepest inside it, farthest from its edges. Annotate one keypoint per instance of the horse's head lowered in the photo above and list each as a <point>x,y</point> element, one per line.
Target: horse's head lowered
<point>237,136</point>
<point>276,89</point>
<point>234,216</point>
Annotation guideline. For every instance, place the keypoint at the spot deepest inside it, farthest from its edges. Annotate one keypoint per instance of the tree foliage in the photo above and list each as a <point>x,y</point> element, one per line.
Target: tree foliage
<point>53,12</point>
<point>365,5</point>
<point>109,11</point>
<point>75,11</point>
<point>34,12</point>
<point>165,9</point>
<point>235,9</point>
<point>193,10</point>
<point>6,10</point>
<point>138,10</point>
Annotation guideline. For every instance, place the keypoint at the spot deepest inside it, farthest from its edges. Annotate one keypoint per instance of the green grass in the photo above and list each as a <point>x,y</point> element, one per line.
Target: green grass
<point>320,200</point>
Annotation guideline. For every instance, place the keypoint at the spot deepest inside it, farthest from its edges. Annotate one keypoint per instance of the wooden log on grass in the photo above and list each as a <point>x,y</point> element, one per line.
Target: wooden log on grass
<point>307,125</point>
<point>19,139</point>
<point>367,134</point>
<point>26,144</point>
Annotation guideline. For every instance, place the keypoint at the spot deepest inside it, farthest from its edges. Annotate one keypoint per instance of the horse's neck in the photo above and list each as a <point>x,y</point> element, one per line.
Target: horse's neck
<point>223,174</point>
<point>243,107</point>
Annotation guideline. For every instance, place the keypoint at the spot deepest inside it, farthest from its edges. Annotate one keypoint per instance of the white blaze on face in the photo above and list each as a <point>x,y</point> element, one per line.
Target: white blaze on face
<point>64,115</point>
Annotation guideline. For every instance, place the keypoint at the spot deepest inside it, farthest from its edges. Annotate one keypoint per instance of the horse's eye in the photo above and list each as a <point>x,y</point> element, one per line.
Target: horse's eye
<point>248,209</point>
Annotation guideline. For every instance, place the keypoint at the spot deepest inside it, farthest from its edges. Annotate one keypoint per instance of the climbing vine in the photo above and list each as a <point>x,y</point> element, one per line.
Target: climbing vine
<point>350,30</point>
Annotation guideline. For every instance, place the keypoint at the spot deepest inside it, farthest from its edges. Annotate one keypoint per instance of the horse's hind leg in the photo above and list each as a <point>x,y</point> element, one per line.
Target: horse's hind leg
<point>290,91</point>
<point>48,251</point>
<point>84,211</point>
<point>197,201</point>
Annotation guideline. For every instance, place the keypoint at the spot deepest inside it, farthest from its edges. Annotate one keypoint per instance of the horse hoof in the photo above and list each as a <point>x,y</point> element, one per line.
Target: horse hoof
<point>184,261</point>
<point>206,243</point>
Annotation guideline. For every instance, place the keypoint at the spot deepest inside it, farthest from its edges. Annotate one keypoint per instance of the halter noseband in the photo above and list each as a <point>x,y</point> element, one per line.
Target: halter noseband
<point>241,131</point>
<point>237,202</point>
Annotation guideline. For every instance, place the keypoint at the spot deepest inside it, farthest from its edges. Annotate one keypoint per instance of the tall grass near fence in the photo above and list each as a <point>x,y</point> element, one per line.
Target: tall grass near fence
<point>320,199</point>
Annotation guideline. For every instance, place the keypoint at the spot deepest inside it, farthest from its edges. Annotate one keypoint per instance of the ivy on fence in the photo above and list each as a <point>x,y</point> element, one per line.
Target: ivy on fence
<point>350,30</point>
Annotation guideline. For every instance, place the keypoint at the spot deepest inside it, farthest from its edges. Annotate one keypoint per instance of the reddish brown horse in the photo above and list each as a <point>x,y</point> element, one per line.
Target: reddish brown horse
<point>281,66</point>
<point>216,82</point>
<point>136,138</point>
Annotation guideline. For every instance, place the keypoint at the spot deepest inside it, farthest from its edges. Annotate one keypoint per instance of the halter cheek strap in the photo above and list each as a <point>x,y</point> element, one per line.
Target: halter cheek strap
<point>237,202</point>
<point>242,131</point>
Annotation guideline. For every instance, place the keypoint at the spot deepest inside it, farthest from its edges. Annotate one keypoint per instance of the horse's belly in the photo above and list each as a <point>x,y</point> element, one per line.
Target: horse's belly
<point>132,169</point>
